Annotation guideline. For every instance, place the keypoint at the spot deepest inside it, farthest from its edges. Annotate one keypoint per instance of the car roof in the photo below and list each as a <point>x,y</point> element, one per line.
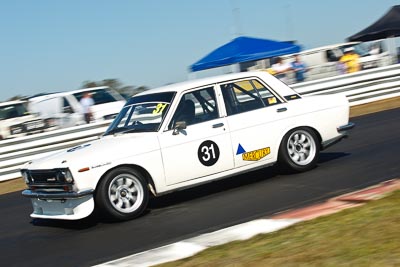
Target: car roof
<point>320,49</point>
<point>182,86</point>
<point>54,95</point>
<point>87,89</point>
<point>8,103</point>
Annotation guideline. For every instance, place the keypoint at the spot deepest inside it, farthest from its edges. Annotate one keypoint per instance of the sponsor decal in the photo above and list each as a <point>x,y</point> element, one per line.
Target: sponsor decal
<point>101,165</point>
<point>272,100</point>
<point>256,155</point>
<point>77,148</point>
<point>159,108</point>
<point>240,150</point>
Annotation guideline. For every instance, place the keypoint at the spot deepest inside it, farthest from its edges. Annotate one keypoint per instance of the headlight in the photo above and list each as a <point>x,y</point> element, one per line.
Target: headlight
<point>66,176</point>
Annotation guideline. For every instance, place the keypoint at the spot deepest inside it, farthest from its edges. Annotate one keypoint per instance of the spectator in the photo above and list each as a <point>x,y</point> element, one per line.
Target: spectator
<point>299,68</point>
<point>350,60</point>
<point>280,69</point>
<point>86,103</point>
<point>341,67</point>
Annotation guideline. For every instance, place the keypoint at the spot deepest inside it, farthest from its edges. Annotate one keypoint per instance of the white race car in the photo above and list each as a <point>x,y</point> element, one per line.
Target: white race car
<point>182,135</point>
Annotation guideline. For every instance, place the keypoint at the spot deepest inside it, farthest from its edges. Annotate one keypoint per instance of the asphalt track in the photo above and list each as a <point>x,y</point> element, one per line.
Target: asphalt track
<point>369,156</point>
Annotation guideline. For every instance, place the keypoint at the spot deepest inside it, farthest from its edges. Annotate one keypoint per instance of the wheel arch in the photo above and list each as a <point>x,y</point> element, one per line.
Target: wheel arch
<point>140,169</point>
<point>297,128</point>
<point>285,161</point>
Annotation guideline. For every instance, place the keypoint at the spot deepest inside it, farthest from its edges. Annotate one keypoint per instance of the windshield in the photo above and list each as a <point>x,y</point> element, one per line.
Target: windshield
<point>100,96</point>
<point>12,111</point>
<point>142,114</point>
<point>361,49</point>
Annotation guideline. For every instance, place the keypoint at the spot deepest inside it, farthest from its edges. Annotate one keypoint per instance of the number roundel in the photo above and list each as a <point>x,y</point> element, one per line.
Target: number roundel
<point>208,153</point>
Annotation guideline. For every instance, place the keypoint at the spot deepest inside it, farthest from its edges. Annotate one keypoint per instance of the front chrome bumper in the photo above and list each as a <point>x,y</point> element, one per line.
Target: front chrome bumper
<point>56,195</point>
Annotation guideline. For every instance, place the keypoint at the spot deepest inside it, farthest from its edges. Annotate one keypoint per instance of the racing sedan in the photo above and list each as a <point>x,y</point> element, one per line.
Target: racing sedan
<point>182,135</point>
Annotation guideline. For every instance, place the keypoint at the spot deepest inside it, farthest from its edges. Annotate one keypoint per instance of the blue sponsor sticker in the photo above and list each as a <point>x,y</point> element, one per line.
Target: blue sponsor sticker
<point>77,147</point>
<point>240,150</point>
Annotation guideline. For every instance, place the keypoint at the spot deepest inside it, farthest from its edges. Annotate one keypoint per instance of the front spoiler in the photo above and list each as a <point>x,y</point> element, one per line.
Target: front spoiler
<point>56,195</point>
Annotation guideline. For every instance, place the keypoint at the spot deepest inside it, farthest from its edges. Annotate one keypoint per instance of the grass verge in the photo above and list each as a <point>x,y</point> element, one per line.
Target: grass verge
<point>391,103</point>
<point>12,186</point>
<point>376,106</point>
<point>363,236</point>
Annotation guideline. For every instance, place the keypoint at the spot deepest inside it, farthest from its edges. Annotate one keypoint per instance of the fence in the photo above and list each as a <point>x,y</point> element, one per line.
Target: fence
<point>362,87</point>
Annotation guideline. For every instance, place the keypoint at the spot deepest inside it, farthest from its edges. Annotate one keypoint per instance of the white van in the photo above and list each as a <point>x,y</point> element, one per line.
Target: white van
<point>322,61</point>
<point>370,54</point>
<point>16,121</point>
<point>66,110</point>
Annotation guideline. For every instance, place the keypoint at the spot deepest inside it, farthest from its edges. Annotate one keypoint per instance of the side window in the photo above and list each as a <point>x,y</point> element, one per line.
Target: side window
<point>196,107</point>
<point>243,96</point>
<point>66,106</point>
<point>266,94</point>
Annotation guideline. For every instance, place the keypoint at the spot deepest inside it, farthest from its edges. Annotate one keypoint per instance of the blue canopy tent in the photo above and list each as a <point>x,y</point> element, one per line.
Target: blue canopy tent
<point>243,49</point>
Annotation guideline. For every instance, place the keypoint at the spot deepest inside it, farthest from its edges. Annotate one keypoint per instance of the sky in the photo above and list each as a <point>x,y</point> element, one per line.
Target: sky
<point>54,45</point>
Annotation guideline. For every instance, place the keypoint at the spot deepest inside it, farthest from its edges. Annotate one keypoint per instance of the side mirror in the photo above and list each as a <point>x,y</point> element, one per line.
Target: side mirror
<point>179,126</point>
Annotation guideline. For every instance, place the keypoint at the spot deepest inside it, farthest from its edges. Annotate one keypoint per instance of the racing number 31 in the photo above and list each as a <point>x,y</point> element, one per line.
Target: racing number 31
<point>208,153</point>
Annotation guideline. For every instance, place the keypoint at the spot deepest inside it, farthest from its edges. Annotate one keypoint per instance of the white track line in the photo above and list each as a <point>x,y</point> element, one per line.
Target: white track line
<point>191,246</point>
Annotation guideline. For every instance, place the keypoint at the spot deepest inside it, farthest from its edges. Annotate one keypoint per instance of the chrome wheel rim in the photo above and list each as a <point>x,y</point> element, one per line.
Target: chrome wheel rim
<point>125,193</point>
<point>301,147</point>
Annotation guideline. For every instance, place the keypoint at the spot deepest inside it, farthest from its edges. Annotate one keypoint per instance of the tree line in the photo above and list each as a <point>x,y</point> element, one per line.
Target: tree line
<point>125,90</point>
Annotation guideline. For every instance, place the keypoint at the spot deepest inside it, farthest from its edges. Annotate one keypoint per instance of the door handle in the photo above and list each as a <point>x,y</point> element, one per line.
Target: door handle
<point>281,109</point>
<point>218,125</point>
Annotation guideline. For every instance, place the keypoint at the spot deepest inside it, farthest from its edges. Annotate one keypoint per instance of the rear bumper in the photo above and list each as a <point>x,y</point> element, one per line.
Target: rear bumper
<point>342,130</point>
<point>346,127</point>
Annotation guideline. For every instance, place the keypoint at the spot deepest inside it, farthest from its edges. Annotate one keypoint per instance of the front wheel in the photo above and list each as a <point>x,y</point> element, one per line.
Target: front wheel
<point>122,194</point>
<point>299,150</point>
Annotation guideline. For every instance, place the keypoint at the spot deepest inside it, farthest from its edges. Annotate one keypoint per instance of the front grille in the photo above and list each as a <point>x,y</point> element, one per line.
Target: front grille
<point>53,180</point>
<point>34,125</point>
<point>16,129</point>
<point>59,179</point>
<point>45,177</point>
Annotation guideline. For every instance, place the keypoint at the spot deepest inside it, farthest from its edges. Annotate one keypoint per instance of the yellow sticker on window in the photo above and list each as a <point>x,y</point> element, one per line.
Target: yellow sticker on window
<point>159,108</point>
<point>272,100</point>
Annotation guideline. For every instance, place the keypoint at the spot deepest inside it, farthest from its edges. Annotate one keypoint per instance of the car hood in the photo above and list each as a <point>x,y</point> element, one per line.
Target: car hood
<point>105,150</point>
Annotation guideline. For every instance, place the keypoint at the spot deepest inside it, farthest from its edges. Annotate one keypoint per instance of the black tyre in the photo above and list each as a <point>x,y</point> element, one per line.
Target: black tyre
<point>122,194</point>
<point>299,150</point>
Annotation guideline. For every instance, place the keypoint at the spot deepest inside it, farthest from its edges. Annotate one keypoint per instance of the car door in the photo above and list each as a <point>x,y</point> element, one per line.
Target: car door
<point>256,116</point>
<point>68,116</point>
<point>201,148</point>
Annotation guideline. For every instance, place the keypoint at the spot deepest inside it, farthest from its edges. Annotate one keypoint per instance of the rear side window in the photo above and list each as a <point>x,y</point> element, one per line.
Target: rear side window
<point>246,95</point>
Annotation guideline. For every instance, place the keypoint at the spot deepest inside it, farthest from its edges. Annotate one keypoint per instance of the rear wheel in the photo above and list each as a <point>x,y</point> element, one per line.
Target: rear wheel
<point>299,150</point>
<point>122,194</point>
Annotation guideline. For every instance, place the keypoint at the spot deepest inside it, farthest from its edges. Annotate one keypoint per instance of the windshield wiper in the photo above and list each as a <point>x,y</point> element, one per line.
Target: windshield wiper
<point>133,130</point>
<point>116,130</point>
